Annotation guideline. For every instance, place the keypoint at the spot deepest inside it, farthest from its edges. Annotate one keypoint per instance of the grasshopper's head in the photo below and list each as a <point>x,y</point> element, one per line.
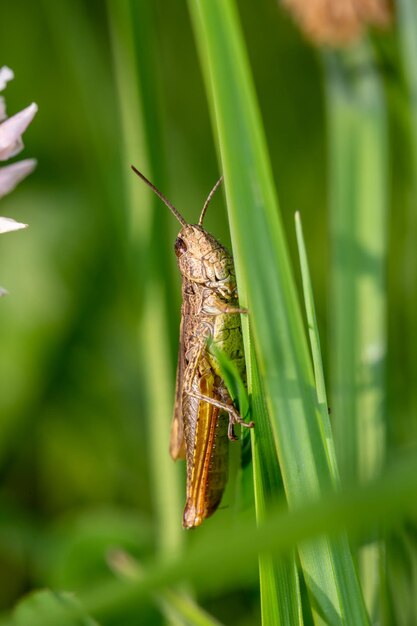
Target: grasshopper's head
<point>201,258</point>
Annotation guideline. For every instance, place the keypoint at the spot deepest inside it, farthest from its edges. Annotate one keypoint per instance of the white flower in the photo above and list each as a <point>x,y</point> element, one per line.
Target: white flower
<point>12,174</point>
<point>7,225</point>
<point>6,74</point>
<point>11,131</point>
<point>2,109</point>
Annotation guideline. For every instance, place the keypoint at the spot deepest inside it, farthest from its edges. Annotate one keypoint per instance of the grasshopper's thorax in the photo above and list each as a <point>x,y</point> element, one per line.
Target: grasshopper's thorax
<point>208,275</point>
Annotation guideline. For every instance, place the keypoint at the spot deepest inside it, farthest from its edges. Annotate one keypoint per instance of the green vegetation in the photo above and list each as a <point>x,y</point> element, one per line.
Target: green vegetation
<point>317,525</point>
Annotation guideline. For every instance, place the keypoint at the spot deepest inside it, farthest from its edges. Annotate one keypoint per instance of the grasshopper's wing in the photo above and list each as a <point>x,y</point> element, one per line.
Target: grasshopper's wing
<point>177,443</point>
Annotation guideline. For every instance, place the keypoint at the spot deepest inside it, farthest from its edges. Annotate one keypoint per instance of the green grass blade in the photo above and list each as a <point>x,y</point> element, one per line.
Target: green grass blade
<point>315,345</point>
<point>174,604</point>
<point>401,546</point>
<point>388,498</point>
<point>279,585</point>
<point>407,25</point>
<point>405,267</point>
<point>358,218</point>
<point>266,285</point>
<point>154,328</point>
<point>131,112</point>
<point>234,382</point>
<point>279,588</point>
<point>391,497</point>
<point>358,157</point>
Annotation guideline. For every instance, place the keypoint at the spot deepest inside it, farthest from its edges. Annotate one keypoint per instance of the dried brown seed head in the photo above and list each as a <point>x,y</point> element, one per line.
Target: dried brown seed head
<point>338,22</point>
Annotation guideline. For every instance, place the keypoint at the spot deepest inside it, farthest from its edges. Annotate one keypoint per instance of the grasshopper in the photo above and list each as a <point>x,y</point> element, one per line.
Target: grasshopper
<point>204,414</point>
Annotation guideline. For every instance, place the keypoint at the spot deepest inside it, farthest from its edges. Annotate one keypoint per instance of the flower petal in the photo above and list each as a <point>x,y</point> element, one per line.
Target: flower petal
<point>12,129</point>
<point>7,225</point>
<point>12,174</point>
<point>3,292</point>
<point>6,74</point>
<point>3,114</point>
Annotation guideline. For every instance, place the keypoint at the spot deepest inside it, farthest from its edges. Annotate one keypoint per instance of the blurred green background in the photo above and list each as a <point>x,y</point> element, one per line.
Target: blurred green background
<point>77,472</point>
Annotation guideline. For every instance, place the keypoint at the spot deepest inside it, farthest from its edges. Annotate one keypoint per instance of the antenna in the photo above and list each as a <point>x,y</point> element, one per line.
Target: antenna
<point>207,202</point>
<point>162,197</point>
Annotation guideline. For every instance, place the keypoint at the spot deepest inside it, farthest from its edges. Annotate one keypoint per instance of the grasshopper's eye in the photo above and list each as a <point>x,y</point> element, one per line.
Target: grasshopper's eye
<point>180,246</point>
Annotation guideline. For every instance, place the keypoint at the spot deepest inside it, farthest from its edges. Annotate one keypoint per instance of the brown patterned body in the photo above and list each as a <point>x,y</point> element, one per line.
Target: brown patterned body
<point>204,414</point>
<point>205,425</point>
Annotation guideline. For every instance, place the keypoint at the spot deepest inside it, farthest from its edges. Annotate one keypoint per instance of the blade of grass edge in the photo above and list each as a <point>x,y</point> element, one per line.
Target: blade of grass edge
<point>266,284</point>
<point>401,549</point>
<point>152,331</point>
<point>406,13</point>
<point>140,128</point>
<point>315,345</point>
<point>278,578</point>
<point>279,584</point>
<point>358,156</point>
<point>174,604</point>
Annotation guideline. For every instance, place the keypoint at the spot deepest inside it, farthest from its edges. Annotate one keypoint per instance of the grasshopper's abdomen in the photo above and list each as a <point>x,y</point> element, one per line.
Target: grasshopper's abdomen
<point>207,452</point>
<point>206,426</point>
